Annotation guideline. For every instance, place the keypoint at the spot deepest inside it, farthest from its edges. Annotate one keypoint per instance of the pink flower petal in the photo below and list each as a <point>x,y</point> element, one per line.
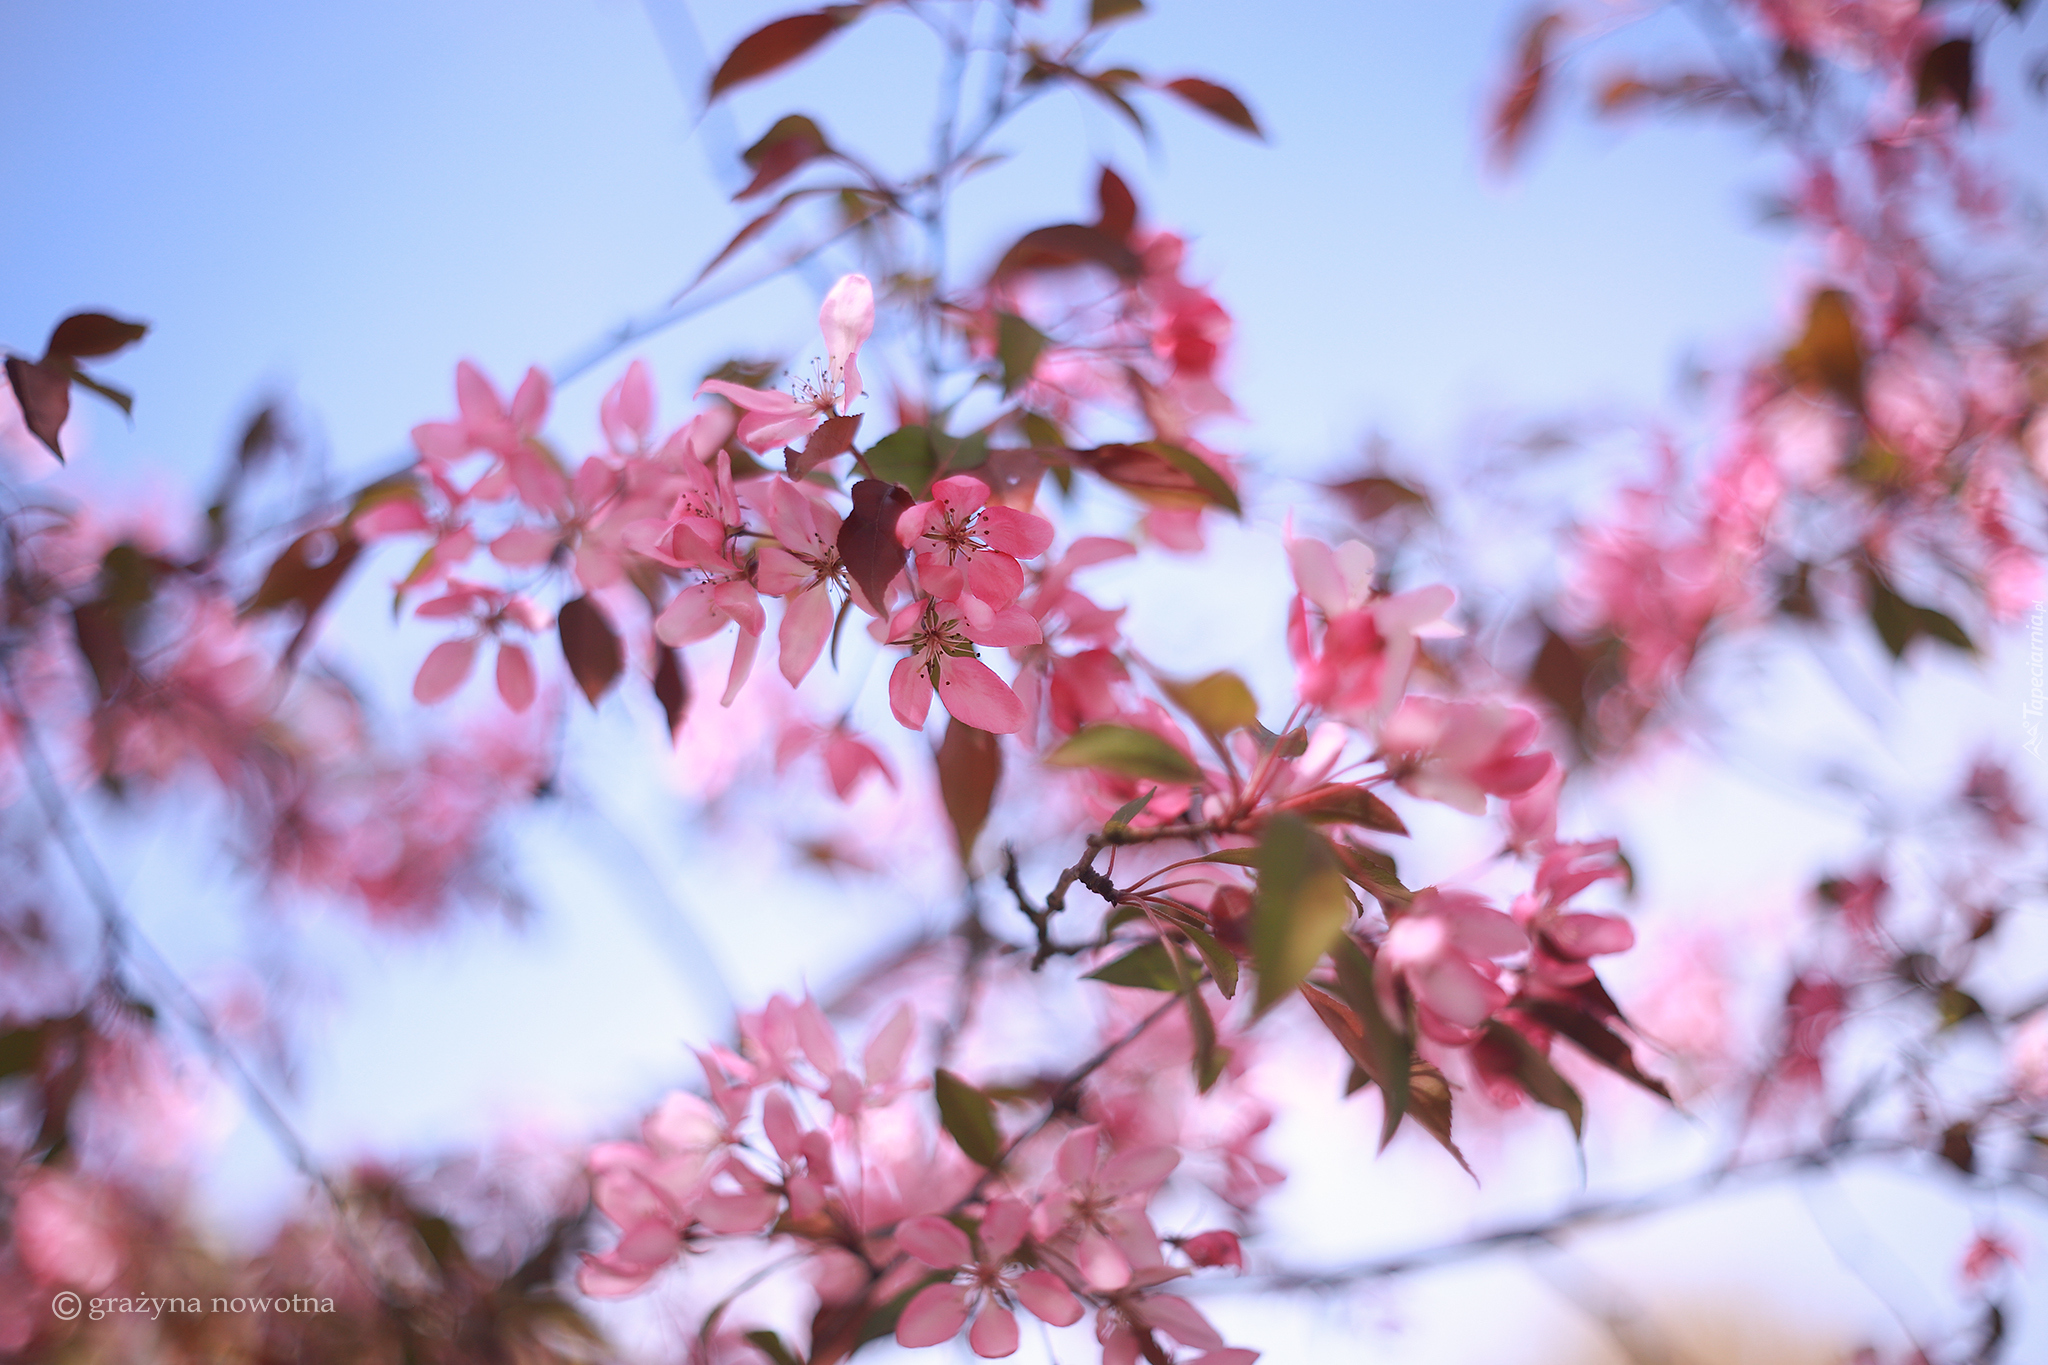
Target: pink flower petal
<point>972,691</point>
<point>910,694</point>
<point>1048,1298</point>
<point>936,1314</point>
<point>446,666</point>
<point>995,1332</point>
<point>936,1242</point>
<point>515,676</point>
<point>1002,1228</point>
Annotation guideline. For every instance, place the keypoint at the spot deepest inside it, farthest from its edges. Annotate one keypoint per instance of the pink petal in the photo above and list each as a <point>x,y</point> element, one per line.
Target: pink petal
<point>1048,1297</point>
<point>1015,533</point>
<point>515,676</point>
<point>1142,1168</point>
<point>1008,628</point>
<point>960,495</point>
<point>477,397</point>
<point>1002,1228</point>
<point>1101,1263</point>
<point>743,651</point>
<point>935,1241</point>
<point>778,1121</point>
<point>910,694</point>
<point>1182,1321</point>
<point>524,547</point>
<point>815,1036</point>
<point>882,1060</point>
<point>773,401</point>
<point>806,624</point>
<point>995,1332</point>
<point>530,404</point>
<point>972,691</point>
<point>765,431</point>
<point>446,666</point>
<point>446,442</point>
<point>690,616</point>
<point>628,409</point>
<point>1077,1155</point>
<point>936,1314</point>
<point>395,517</point>
<point>847,318</point>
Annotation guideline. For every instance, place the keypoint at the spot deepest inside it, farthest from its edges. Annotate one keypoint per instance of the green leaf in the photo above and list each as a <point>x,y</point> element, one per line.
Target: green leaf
<point>1126,751</point>
<point>904,456</point>
<point>1299,909</point>
<point>1149,966</point>
<point>1340,803</point>
<point>1221,962</point>
<point>1199,470</point>
<point>1018,346</point>
<point>1129,810</point>
<point>1537,1076</point>
<point>969,1118</point>
<point>1218,703</point>
<point>1209,1059</point>
<point>1386,1049</point>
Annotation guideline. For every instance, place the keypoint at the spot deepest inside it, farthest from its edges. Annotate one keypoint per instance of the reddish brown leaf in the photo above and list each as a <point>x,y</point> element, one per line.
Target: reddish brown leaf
<point>1119,207</point>
<point>1515,115</point>
<point>970,764</point>
<point>1165,476</point>
<point>777,44</point>
<point>84,335</point>
<point>1340,803</point>
<point>305,576</point>
<point>1374,496</point>
<point>671,685</point>
<point>44,393</point>
<point>1949,72</point>
<point>1068,244</point>
<point>867,538</point>
<point>1217,101</point>
<point>591,646</point>
<point>1594,1039</point>
<point>833,438</point>
<point>794,141</point>
<point>101,640</point>
<point>1559,674</point>
<point>1829,354</point>
<point>756,227</point>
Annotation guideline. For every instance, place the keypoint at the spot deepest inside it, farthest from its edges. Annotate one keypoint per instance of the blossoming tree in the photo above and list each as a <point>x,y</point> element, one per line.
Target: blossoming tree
<point>904,1163</point>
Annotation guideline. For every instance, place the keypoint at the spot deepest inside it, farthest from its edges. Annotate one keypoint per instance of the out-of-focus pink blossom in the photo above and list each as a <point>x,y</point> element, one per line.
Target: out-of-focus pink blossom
<point>1356,666</point>
<point>1461,752</point>
<point>1094,1211</point>
<point>1441,948</point>
<point>67,1232</point>
<point>1989,1253</point>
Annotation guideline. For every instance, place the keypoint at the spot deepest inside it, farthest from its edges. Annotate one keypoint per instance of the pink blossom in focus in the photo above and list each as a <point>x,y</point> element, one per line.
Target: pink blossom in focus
<point>775,418</point>
<point>967,552</point>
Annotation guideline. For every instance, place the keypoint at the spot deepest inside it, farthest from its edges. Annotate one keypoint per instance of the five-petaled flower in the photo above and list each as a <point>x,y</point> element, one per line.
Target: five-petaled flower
<point>775,418</point>
<point>984,1285</point>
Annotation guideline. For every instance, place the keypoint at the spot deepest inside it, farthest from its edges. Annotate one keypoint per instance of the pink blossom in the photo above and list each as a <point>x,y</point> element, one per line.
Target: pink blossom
<point>2026,1059</point>
<point>1989,1253</point>
<point>943,657</point>
<point>1215,1248</point>
<point>1357,665</point>
<point>1441,948</point>
<point>967,552</point>
<point>1094,1211</point>
<point>511,432</point>
<point>1125,1325</point>
<point>801,566</point>
<point>1459,752</point>
<point>1562,941</point>
<point>66,1232</point>
<point>775,418</point>
<point>988,1278</point>
<point>491,610</point>
<point>848,757</point>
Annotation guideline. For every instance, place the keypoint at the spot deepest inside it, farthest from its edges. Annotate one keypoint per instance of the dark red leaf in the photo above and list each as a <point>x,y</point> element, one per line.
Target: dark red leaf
<point>833,438</point>
<point>591,646</point>
<point>1594,1039</point>
<point>794,141</point>
<point>671,685</point>
<point>867,538</point>
<point>1163,475</point>
<point>305,576</point>
<point>84,335</point>
<point>1216,101</point>
<point>970,764</point>
<point>1341,803</point>
<point>777,44</point>
<point>101,640</point>
<point>1119,207</point>
<point>1374,496</point>
<point>1515,114</point>
<point>1949,72</point>
<point>44,393</point>
<point>1068,244</point>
